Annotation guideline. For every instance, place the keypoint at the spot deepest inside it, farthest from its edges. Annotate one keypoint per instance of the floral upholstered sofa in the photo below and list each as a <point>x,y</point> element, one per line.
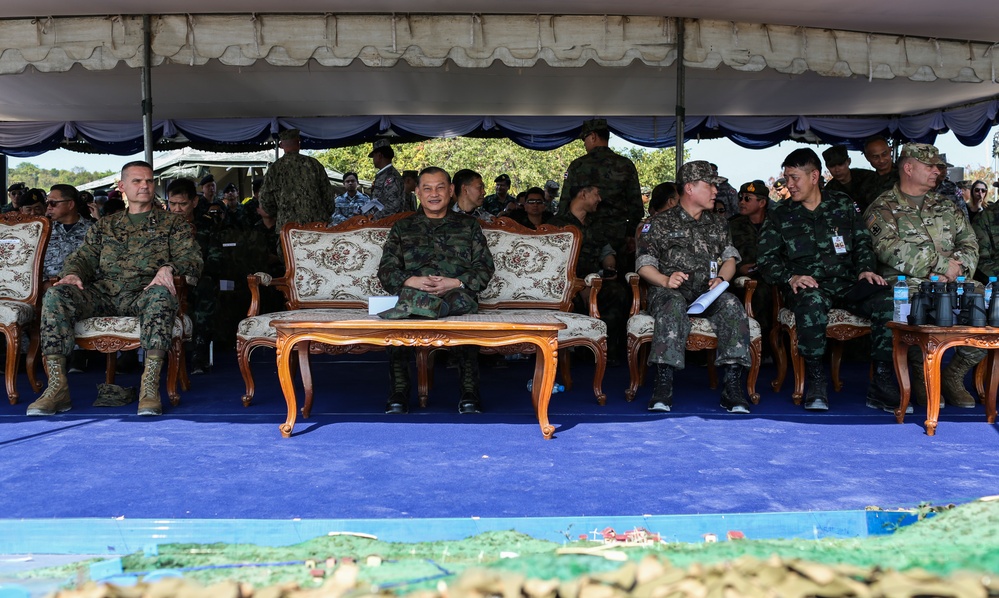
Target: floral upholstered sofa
<point>331,272</point>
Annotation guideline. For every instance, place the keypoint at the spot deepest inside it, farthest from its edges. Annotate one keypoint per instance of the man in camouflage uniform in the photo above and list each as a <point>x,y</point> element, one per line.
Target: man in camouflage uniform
<point>685,252</point>
<point>596,257</point>
<point>125,267</point>
<point>439,256</point>
<point>878,153</point>
<point>816,250</point>
<point>387,191</point>
<point>296,187</point>
<point>14,193</point>
<point>621,209</point>
<point>918,234</point>
<point>986,227</point>
<point>499,201</point>
<point>203,298</point>
<point>349,204</point>
<point>754,198</point>
<point>851,181</point>
<point>469,190</point>
<point>69,227</point>
<point>727,195</point>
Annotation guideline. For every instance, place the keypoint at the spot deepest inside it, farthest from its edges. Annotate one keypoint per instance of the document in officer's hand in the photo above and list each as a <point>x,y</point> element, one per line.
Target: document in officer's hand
<point>701,303</point>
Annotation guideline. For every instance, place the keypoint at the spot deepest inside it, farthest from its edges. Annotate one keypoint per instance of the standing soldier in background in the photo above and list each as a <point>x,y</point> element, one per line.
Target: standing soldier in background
<point>851,181</point>
<point>885,176</point>
<point>296,187</point>
<point>387,191</point>
<point>621,208</point>
<point>918,234</point>
<point>754,198</point>
<point>495,203</point>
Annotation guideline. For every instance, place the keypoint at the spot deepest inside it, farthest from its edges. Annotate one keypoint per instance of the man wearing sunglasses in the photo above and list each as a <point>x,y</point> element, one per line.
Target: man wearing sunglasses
<point>68,227</point>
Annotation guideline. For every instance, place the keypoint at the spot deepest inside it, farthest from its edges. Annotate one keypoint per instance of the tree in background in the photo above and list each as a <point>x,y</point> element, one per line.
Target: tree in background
<point>35,177</point>
<point>492,157</point>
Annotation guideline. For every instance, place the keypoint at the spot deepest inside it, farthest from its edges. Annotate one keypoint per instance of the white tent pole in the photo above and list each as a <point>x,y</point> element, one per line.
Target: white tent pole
<point>147,90</point>
<point>680,80</point>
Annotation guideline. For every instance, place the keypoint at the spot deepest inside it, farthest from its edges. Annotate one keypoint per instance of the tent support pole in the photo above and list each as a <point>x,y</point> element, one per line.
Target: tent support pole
<point>147,90</point>
<point>681,110</point>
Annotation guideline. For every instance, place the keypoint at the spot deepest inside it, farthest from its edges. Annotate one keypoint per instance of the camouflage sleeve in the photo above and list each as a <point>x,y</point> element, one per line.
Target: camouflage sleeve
<point>771,260</point>
<point>85,261</point>
<point>633,197</point>
<point>863,253</point>
<point>212,256</point>
<point>729,252</point>
<point>988,253</point>
<point>394,199</point>
<point>965,243</point>
<point>390,268</point>
<point>647,253</point>
<point>477,279</point>
<point>268,193</point>
<point>915,261</point>
<point>185,255</point>
<point>564,198</point>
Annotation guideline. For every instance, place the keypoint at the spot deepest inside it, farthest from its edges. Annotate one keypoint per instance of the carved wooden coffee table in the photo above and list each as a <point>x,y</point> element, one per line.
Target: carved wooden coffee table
<point>934,340</point>
<point>486,330</point>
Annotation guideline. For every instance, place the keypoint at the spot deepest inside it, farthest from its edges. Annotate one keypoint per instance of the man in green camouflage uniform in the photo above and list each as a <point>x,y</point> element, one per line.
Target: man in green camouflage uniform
<point>816,250</point>
<point>296,187</point>
<point>203,298</point>
<point>388,193</point>
<point>495,203</point>
<point>885,176</point>
<point>686,251</point>
<point>754,199</point>
<point>443,254</point>
<point>918,234</point>
<point>597,258</point>
<point>986,227</point>
<point>622,209</point>
<point>851,181</point>
<point>125,267</point>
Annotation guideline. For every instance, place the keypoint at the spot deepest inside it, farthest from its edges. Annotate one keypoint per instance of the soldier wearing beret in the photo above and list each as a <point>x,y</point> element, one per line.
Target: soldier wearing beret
<point>296,187</point>
<point>686,251</point>
<point>14,193</point>
<point>816,250</point>
<point>918,233</point>
<point>499,201</point>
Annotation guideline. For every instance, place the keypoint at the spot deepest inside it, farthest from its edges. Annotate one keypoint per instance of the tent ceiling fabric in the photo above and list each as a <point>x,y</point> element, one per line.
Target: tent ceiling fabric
<point>239,78</point>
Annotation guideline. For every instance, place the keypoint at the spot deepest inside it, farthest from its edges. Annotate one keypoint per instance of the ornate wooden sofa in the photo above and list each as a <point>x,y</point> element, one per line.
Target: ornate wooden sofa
<point>331,272</point>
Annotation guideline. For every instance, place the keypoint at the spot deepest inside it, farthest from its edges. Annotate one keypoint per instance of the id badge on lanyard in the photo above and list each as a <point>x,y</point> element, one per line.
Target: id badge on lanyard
<point>838,244</point>
<point>714,268</point>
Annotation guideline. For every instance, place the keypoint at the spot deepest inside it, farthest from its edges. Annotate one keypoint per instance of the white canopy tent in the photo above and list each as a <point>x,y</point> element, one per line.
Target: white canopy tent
<point>908,68</point>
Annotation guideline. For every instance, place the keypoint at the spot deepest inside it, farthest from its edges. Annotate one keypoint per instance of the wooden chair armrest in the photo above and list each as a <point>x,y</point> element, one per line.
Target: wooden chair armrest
<point>747,300</point>
<point>258,279</point>
<point>180,283</point>
<point>634,281</point>
<point>594,283</point>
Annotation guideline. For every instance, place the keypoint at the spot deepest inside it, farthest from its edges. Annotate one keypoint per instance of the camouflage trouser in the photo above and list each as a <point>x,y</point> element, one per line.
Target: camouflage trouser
<point>672,326</point>
<point>613,303</point>
<point>458,302</point>
<point>811,314</point>
<point>65,305</point>
<point>203,300</point>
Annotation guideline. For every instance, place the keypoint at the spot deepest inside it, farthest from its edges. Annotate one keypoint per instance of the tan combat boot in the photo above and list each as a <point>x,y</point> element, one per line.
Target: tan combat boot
<point>149,388</point>
<point>55,398</point>
<point>952,382</point>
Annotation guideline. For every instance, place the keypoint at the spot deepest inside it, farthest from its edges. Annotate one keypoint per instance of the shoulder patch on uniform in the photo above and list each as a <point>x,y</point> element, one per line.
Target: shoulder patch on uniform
<point>869,221</point>
<point>876,230</point>
<point>646,227</point>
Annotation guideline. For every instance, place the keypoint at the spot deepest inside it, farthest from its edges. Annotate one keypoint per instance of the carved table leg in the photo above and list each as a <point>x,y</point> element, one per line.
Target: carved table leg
<point>900,352</point>
<point>634,379</point>
<point>305,367</point>
<point>285,348</point>
<point>545,367</point>
<point>931,369</point>
<point>993,385</point>
<point>599,368</point>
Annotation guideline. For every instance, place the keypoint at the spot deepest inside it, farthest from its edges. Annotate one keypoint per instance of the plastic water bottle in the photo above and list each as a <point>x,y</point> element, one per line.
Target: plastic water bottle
<point>555,388</point>
<point>988,291</point>
<point>960,294</point>
<point>901,313</point>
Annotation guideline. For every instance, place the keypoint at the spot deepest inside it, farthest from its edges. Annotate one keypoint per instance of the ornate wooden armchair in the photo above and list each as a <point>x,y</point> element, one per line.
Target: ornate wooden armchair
<point>842,326</point>
<point>702,337</point>
<point>23,240</point>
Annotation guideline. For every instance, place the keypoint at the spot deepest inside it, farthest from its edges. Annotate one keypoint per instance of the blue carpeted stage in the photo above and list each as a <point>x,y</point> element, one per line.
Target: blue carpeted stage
<point>211,458</point>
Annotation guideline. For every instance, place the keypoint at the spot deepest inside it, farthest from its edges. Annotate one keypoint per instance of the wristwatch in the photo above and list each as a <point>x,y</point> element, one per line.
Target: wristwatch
<point>461,285</point>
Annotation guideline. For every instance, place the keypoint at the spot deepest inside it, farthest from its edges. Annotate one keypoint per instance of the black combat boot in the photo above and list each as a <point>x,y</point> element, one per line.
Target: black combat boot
<point>662,396</point>
<point>816,393</point>
<point>883,392</point>
<point>398,401</point>
<point>468,373</point>
<point>733,396</point>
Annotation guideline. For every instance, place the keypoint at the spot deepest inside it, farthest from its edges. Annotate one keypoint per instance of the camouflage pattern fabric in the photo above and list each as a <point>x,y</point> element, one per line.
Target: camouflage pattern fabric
<point>118,258</point>
<point>346,207</point>
<point>948,189</point>
<point>203,298</point>
<point>494,204</point>
<point>728,195</point>
<point>745,238</point>
<point>986,228</point>
<point>621,208</point>
<point>797,241</point>
<point>676,242</point>
<point>64,240</point>
<point>479,213</point>
<point>388,190</point>
<point>861,181</point>
<point>875,185</point>
<point>297,189</point>
<point>918,239</point>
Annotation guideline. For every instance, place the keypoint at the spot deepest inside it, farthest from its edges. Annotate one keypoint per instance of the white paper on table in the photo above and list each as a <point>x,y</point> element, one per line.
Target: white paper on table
<point>701,303</point>
<point>377,305</point>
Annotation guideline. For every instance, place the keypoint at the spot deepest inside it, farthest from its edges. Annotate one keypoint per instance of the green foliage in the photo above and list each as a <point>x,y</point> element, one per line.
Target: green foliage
<point>492,157</point>
<point>33,176</point>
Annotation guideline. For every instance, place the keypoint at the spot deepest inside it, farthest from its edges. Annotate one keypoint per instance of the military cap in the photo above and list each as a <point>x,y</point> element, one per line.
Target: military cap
<point>208,178</point>
<point>923,152</point>
<point>503,178</point>
<point>945,162</point>
<point>414,303</point>
<point>757,188</point>
<point>589,126</point>
<point>32,197</point>
<point>378,145</point>
<point>780,184</point>
<point>17,187</point>
<point>698,170</point>
<point>230,187</point>
<point>112,395</point>
<point>835,155</point>
<point>290,135</point>
<point>551,186</point>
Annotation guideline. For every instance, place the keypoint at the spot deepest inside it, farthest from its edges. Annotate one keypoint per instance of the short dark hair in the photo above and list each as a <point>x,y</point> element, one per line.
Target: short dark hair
<point>434,170</point>
<point>661,194</point>
<point>70,192</point>
<point>135,164</point>
<point>535,191</point>
<point>465,176</point>
<point>353,174</point>
<point>802,157</point>
<point>575,190</point>
<point>182,187</point>
<point>873,139</point>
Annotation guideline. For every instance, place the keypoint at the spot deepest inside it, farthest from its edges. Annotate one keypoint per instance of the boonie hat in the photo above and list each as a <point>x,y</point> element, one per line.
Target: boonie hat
<point>698,170</point>
<point>414,303</point>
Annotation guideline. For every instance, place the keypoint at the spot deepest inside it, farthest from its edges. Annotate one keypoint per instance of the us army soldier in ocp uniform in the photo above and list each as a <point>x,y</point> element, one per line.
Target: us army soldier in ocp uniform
<point>918,233</point>
<point>125,267</point>
<point>686,251</point>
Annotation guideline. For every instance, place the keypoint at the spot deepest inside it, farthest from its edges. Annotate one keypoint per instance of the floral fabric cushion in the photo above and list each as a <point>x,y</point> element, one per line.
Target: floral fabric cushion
<point>14,312</point>
<point>125,327</point>
<point>18,247</point>
<point>529,268</point>
<point>837,317</point>
<point>337,266</point>
<point>643,324</point>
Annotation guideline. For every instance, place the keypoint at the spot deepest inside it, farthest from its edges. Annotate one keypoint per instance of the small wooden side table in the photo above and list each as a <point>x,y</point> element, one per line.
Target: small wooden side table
<point>934,340</point>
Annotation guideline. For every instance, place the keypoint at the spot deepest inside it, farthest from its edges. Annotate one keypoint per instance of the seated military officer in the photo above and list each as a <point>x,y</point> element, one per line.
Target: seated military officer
<point>817,251</point>
<point>687,250</point>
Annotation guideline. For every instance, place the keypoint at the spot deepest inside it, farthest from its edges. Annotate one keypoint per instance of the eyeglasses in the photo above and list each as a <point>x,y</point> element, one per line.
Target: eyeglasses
<point>746,197</point>
<point>719,210</point>
<point>53,202</point>
<point>979,190</point>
